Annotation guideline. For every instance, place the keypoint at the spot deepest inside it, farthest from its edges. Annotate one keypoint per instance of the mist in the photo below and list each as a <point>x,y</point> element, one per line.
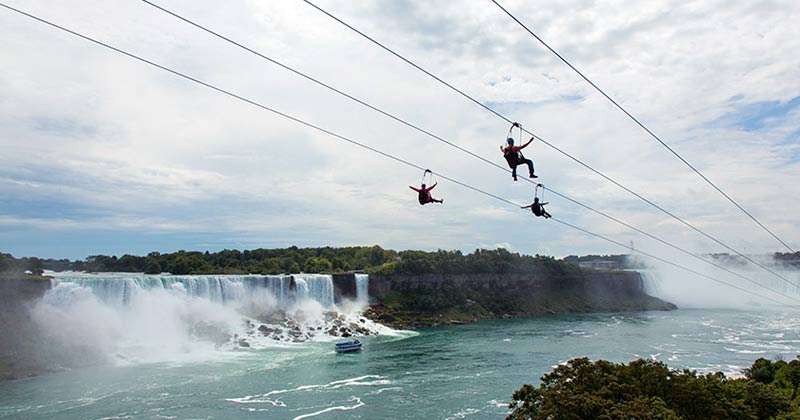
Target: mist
<point>82,323</point>
<point>690,290</point>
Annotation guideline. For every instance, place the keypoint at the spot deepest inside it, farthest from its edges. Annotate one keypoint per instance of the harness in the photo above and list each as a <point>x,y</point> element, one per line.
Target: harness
<point>537,208</point>
<point>512,157</point>
<point>422,197</point>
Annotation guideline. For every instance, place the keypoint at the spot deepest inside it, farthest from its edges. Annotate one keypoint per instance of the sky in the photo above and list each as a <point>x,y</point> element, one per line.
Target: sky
<point>101,154</point>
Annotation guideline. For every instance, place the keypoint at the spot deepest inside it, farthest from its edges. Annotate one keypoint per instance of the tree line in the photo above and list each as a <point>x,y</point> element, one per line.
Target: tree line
<point>372,259</point>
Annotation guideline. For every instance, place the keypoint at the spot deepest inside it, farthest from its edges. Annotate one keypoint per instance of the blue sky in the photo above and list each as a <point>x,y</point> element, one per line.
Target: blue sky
<point>756,116</point>
<point>101,154</point>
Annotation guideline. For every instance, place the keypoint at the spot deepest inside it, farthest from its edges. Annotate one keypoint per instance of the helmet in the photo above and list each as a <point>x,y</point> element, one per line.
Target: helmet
<point>535,199</point>
<point>510,140</point>
<point>423,185</point>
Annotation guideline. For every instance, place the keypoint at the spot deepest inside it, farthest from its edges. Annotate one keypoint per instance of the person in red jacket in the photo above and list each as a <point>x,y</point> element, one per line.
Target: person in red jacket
<point>424,194</point>
<point>514,157</point>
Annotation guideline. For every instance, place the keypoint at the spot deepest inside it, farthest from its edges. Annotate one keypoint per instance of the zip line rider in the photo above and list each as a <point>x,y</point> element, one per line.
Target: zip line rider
<point>514,156</point>
<point>537,208</point>
<point>425,194</point>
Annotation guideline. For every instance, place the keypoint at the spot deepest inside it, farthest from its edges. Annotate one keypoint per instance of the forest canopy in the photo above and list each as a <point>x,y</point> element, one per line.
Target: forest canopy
<point>649,390</point>
<point>372,259</point>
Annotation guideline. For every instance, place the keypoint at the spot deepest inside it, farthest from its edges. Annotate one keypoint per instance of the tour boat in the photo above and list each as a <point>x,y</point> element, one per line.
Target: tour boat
<point>348,346</point>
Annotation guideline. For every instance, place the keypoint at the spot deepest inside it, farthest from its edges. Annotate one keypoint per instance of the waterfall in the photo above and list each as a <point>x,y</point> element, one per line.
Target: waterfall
<point>651,283</point>
<point>122,288</point>
<point>131,318</point>
<point>318,287</point>
<point>362,288</point>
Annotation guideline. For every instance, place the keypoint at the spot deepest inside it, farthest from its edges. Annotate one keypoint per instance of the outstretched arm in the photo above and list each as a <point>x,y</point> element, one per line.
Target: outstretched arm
<point>526,207</point>
<point>526,144</point>
<point>433,186</point>
<point>415,189</point>
<point>545,203</point>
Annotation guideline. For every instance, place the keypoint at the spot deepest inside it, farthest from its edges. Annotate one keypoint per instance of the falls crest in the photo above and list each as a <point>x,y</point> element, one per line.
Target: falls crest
<point>120,289</point>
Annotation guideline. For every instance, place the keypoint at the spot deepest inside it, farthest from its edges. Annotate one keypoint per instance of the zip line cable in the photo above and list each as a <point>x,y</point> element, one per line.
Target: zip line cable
<point>356,143</point>
<point>640,124</point>
<point>585,165</point>
<point>317,81</point>
<point>250,101</point>
<point>439,138</point>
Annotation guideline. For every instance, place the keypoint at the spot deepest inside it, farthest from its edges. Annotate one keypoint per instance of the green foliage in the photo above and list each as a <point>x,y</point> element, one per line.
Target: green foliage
<point>7,262</point>
<point>372,259</point>
<point>645,389</point>
<point>427,298</point>
<point>317,265</point>
<point>152,266</point>
<point>762,371</point>
<point>385,269</point>
<point>482,261</point>
<point>35,266</point>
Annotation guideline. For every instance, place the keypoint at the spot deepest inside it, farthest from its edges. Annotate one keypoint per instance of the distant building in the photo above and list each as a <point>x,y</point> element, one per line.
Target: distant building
<point>600,265</point>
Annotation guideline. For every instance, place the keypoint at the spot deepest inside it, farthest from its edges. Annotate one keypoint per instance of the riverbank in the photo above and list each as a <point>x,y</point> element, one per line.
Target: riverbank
<point>421,301</point>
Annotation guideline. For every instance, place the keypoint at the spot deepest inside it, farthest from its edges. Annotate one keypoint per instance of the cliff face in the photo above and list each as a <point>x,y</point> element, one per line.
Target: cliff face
<point>19,338</point>
<point>20,288</point>
<point>344,286</point>
<point>427,300</point>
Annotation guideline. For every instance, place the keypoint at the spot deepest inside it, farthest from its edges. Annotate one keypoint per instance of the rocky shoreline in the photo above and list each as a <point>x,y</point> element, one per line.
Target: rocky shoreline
<point>414,320</point>
<point>295,328</point>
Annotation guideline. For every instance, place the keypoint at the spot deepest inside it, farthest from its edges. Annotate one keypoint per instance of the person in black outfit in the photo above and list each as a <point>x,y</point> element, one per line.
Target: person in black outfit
<point>537,208</point>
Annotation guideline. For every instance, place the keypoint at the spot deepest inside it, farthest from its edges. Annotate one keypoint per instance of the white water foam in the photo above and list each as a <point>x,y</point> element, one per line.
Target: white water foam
<point>133,318</point>
<point>273,398</point>
<point>382,390</point>
<point>359,403</point>
<point>359,381</point>
<point>464,414</point>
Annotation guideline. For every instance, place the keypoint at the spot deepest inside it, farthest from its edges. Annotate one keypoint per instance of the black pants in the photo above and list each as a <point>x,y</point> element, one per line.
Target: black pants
<point>522,162</point>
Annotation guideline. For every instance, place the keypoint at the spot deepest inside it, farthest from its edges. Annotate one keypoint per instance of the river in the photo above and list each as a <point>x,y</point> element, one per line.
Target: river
<point>463,371</point>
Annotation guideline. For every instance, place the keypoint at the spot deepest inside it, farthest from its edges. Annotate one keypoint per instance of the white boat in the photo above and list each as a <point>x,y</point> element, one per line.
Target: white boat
<point>348,346</point>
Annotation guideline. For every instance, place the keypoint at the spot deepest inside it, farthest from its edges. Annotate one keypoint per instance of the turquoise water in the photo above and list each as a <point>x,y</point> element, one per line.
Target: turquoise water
<point>466,371</point>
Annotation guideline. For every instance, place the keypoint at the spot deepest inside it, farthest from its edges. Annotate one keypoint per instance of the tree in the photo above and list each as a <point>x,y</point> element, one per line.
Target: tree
<point>645,389</point>
<point>35,266</point>
<point>317,265</point>
<point>7,262</point>
<point>152,266</point>
<point>189,264</point>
